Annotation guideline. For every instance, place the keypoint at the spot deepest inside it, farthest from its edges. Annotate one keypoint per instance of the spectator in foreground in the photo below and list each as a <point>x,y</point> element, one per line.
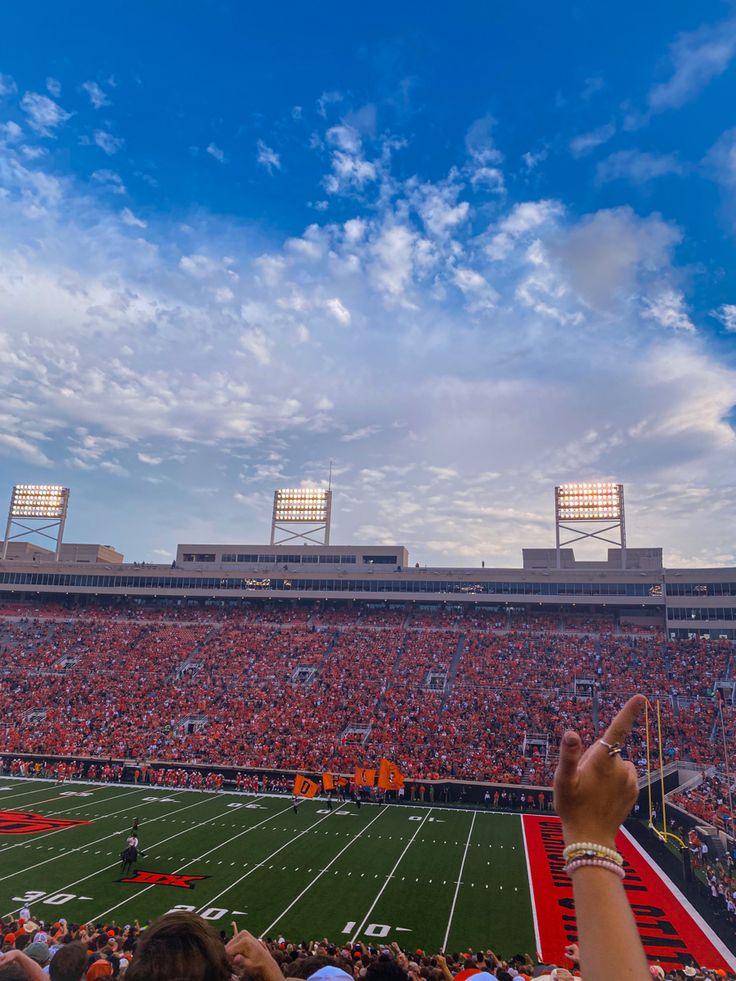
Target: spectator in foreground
<point>594,792</point>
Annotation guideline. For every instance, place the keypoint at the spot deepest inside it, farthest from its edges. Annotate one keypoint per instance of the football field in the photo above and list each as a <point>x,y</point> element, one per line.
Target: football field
<point>428,877</point>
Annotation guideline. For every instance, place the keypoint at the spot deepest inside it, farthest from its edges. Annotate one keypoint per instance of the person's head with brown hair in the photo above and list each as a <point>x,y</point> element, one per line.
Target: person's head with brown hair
<point>69,963</point>
<point>179,947</point>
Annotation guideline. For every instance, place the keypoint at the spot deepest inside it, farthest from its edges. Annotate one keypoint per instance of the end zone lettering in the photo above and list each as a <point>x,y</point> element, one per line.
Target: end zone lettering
<point>164,879</point>
<point>670,930</point>
<point>28,823</point>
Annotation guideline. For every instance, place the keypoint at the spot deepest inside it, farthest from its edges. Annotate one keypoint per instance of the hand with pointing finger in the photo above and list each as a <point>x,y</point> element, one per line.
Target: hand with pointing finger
<point>252,956</point>
<point>594,790</point>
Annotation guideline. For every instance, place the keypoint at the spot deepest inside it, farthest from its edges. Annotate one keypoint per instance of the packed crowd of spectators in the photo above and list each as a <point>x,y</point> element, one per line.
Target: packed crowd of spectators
<point>710,801</point>
<point>180,945</point>
<point>482,696</point>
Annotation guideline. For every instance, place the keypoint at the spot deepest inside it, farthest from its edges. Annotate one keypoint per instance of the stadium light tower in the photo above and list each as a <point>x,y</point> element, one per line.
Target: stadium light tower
<point>301,514</point>
<point>45,506</point>
<point>579,506</point>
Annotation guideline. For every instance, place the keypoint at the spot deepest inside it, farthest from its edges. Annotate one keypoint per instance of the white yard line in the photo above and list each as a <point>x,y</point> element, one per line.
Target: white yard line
<point>199,858</point>
<point>457,886</point>
<point>113,834</point>
<point>532,897</point>
<point>261,863</point>
<point>389,877</point>
<point>317,877</point>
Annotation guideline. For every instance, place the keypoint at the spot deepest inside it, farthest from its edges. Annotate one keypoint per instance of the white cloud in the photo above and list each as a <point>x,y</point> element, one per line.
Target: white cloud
<point>198,266</point>
<point>255,343</point>
<point>721,159</point>
<point>606,254</point>
<point>697,58</point>
<point>326,100</point>
<point>44,115</point>
<point>479,293</point>
<point>362,433</point>
<point>479,142</point>
<point>267,157</point>
<point>393,263</point>
<point>337,309</point>
<point>109,180</point>
<point>117,352</point>
<point>667,308</point>
<point>532,160</point>
<point>524,217</point>
<point>96,96</point>
<point>23,449</point>
<point>128,218</point>
<point>726,313</point>
<point>216,152</point>
<point>586,142</point>
<point>637,166</point>
<point>10,132</point>
<point>350,169</point>
<point>108,143</point>
<point>53,87</point>
<point>7,85</point>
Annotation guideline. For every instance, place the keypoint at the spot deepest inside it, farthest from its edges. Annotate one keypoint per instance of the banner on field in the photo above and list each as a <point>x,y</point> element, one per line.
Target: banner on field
<point>328,781</point>
<point>304,787</point>
<point>365,777</point>
<point>390,776</point>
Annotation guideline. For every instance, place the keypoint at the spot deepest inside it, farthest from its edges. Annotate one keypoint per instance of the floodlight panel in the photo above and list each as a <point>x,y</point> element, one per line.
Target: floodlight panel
<point>310,504</point>
<point>39,501</point>
<point>589,501</point>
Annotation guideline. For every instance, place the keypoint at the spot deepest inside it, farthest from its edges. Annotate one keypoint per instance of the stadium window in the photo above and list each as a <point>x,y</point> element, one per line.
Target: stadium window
<point>229,557</point>
<point>310,558</point>
<point>247,558</point>
<point>266,559</point>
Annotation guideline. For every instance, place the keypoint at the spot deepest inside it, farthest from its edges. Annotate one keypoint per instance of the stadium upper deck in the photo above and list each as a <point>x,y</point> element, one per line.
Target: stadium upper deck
<point>688,601</point>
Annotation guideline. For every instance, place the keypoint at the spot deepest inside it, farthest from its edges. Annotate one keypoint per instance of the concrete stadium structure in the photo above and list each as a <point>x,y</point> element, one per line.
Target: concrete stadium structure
<point>684,601</point>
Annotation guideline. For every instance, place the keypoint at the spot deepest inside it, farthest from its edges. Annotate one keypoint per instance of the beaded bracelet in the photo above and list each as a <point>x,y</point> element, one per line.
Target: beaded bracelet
<point>593,850</point>
<point>601,863</point>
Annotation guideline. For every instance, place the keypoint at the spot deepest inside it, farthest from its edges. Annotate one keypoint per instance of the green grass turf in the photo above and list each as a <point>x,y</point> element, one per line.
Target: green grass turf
<point>346,874</point>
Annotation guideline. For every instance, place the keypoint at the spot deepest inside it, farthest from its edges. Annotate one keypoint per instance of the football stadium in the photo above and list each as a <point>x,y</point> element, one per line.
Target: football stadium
<point>320,740</point>
<point>367,491</point>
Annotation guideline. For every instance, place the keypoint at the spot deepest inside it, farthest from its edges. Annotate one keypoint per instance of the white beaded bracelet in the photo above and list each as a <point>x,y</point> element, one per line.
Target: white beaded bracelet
<point>593,850</point>
<point>601,863</point>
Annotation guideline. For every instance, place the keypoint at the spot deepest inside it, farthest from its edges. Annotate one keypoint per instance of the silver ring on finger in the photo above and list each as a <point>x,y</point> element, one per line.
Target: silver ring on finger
<point>614,749</point>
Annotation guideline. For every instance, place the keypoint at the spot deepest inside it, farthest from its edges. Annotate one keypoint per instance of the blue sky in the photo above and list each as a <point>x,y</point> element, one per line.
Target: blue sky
<point>466,254</point>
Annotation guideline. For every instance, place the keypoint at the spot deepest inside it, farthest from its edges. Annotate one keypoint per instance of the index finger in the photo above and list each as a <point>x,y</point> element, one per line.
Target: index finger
<point>621,726</point>
<point>235,928</point>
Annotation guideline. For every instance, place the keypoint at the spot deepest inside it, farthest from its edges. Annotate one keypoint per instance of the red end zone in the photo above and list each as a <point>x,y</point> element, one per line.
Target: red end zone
<point>671,930</point>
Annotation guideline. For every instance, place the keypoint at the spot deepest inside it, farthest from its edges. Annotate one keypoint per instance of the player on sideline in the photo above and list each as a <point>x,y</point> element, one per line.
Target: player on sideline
<point>295,803</point>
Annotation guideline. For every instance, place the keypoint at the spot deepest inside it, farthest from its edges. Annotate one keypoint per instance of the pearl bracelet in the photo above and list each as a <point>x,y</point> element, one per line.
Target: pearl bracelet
<point>601,863</point>
<point>591,849</point>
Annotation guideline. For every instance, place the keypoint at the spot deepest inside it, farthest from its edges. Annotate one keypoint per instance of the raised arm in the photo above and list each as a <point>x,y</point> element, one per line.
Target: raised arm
<point>594,792</point>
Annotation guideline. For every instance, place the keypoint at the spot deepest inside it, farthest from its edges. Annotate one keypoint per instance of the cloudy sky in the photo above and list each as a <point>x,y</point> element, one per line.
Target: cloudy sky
<point>466,251</point>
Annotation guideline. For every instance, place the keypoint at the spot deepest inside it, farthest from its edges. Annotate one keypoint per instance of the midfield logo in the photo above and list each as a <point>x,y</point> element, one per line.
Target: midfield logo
<point>165,879</point>
<point>27,823</point>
